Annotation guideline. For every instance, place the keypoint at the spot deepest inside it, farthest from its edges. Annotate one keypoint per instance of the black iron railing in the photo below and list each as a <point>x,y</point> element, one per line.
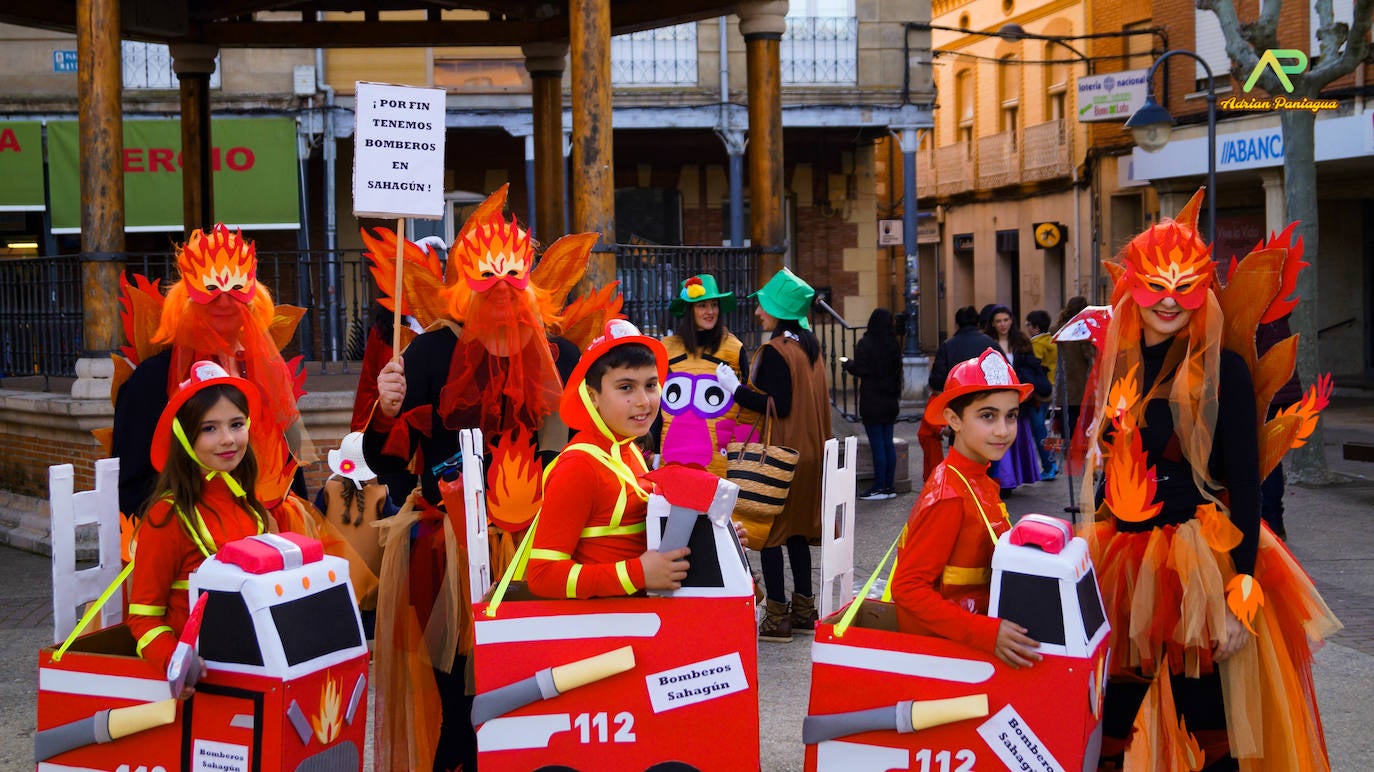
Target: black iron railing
<point>838,339</point>
<point>41,301</point>
<point>650,277</point>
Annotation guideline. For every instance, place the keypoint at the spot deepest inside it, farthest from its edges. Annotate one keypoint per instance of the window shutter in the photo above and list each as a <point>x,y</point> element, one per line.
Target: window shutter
<point>1210,44</point>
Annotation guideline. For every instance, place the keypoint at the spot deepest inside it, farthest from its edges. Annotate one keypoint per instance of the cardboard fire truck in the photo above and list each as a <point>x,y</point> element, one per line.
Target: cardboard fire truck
<point>886,700</point>
<point>285,682</point>
<point>644,683</point>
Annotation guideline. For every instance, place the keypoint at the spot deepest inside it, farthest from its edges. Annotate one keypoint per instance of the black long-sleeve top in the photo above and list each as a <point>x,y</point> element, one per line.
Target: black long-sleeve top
<point>427,361</point>
<point>1234,460</point>
<point>965,344</point>
<point>770,379</point>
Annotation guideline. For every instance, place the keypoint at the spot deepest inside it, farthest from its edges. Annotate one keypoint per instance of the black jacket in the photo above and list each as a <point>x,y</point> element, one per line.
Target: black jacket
<point>967,343</point>
<point>880,381</point>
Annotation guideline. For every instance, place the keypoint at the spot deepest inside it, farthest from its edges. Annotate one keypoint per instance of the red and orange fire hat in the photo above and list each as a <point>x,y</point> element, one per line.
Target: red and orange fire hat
<point>575,404</point>
<point>987,372</point>
<point>204,374</point>
<point>1169,260</point>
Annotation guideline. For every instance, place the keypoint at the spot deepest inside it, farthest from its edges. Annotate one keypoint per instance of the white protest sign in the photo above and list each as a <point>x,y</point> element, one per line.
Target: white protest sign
<point>398,160</point>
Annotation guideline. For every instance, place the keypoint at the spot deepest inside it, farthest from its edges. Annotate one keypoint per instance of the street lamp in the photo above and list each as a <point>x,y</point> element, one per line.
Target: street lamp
<point>1152,124</point>
<point>1013,32</point>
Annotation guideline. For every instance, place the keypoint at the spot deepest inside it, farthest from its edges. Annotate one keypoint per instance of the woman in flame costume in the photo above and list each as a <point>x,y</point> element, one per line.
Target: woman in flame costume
<point>498,345</point>
<point>1213,621</point>
<point>217,310</point>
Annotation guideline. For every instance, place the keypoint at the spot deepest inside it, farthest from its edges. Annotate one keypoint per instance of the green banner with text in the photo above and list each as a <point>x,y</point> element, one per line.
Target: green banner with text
<point>21,166</point>
<point>253,162</point>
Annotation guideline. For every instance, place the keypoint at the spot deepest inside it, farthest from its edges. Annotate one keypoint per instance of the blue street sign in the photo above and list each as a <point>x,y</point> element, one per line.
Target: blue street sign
<point>63,61</point>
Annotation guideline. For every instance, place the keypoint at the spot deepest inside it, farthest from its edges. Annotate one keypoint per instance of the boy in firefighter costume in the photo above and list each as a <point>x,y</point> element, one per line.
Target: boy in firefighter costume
<point>941,582</point>
<point>1213,621</point>
<point>497,340</point>
<point>590,541</point>
<point>217,310</point>
<point>699,416</point>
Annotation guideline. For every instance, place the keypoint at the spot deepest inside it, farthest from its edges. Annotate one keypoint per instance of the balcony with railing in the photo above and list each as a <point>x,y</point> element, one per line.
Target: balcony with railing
<point>820,51</point>
<point>925,172</point>
<point>1046,151</point>
<point>149,66</point>
<point>952,169</point>
<point>998,162</point>
<point>665,56</point>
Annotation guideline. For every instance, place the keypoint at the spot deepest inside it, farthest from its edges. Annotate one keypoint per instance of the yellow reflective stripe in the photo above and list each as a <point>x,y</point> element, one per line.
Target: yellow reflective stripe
<point>622,573</point>
<point>611,530</point>
<point>575,572</point>
<point>144,610</point>
<point>959,575</point>
<point>549,555</point>
<point>618,513</point>
<point>149,636</point>
<point>181,584</point>
<point>616,465</point>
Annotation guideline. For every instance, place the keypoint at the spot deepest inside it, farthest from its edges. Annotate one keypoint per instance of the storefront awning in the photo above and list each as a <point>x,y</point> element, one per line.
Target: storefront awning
<point>21,166</point>
<point>254,164</point>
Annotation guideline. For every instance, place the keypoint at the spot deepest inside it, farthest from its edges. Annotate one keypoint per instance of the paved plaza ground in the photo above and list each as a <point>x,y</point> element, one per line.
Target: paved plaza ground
<point>1329,529</point>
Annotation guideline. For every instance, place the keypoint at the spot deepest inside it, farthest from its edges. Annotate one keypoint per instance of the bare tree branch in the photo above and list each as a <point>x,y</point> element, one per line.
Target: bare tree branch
<point>1243,40</point>
<point>1357,48</point>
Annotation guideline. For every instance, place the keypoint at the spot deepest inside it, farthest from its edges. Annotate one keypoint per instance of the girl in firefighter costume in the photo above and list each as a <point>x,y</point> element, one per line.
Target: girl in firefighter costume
<point>206,474</point>
<point>941,582</point>
<point>1213,621</point>
<point>497,341</point>
<point>590,541</point>
<point>699,416</point>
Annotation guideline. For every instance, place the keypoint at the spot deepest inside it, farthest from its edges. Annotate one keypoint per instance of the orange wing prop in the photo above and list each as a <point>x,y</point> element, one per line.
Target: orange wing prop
<point>1291,427</point>
<point>425,293</point>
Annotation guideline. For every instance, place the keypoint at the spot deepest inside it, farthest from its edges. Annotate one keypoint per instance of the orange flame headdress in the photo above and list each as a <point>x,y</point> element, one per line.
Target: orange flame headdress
<point>1169,260</point>
<point>220,262</point>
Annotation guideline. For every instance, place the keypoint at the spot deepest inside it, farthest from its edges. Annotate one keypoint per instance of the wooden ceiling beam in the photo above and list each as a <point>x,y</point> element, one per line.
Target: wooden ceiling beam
<point>382,34</point>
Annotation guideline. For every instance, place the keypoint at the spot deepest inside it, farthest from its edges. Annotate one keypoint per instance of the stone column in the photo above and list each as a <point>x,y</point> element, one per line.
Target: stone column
<point>593,169</point>
<point>101,133</point>
<point>194,63</point>
<point>545,64</point>
<point>762,23</point>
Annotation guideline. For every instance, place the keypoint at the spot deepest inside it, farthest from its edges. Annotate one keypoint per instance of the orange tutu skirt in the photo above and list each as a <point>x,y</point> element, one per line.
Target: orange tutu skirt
<point>1164,595</point>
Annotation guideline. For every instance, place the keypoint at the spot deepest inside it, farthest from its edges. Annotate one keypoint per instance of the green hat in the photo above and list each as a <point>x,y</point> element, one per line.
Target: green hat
<point>786,296</point>
<point>698,288</point>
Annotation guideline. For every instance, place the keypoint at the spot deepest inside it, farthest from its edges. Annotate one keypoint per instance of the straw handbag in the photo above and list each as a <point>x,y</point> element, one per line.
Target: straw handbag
<point>763,471</point>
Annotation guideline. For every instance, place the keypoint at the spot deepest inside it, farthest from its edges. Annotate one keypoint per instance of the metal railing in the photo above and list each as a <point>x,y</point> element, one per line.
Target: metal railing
<point>998,164</point>
<point>838,339</point>
<point>149,66</point>
<point>41,300</point>
<point>650,277</point>
<point>820,50</point>
<point>664,56</point>
<point>1046,151</point>
<point>952,169</point>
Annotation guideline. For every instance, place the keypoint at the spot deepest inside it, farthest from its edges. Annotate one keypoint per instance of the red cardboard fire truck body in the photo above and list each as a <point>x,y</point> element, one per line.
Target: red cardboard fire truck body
<point>870,684</point>
<point>285,684</point>
<point>641,683</point>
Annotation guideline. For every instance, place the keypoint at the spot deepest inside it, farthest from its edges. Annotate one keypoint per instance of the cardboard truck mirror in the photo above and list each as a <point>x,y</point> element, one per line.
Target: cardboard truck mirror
<point>285,685</point>
<point>881,699</point>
